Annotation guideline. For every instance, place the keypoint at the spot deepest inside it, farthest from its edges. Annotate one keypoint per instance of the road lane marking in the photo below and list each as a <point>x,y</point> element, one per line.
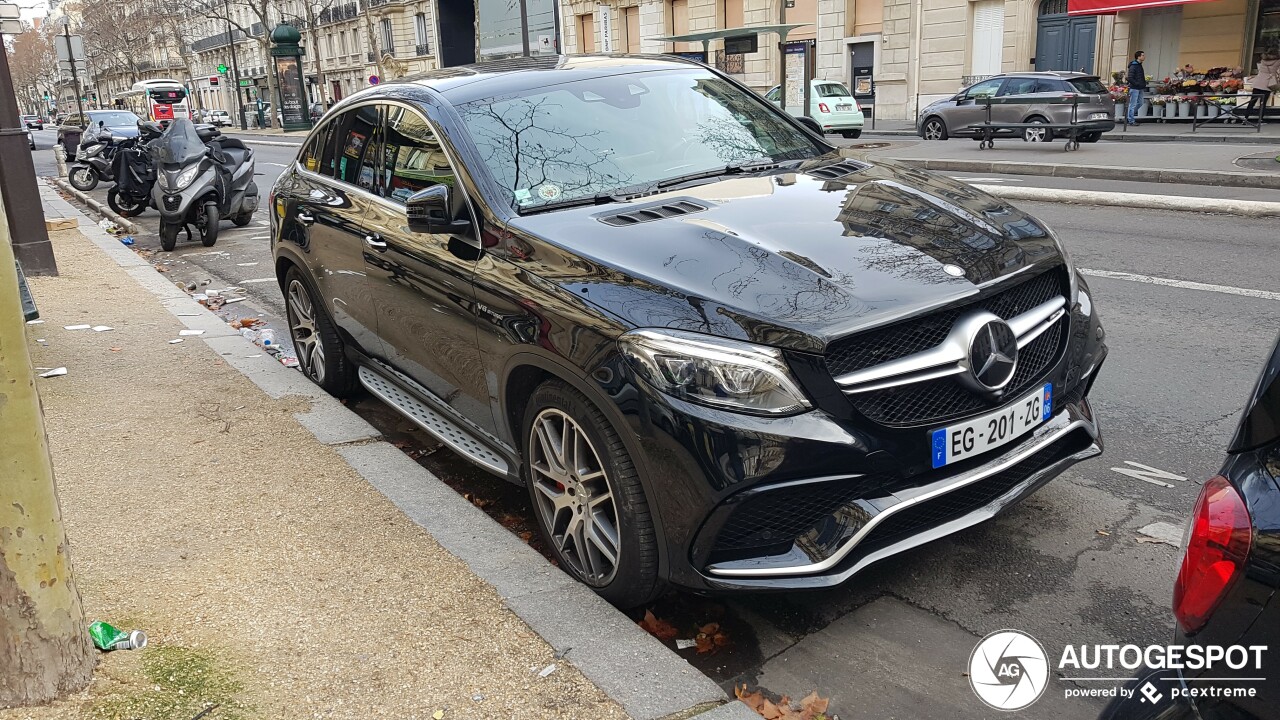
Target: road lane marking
<point>260,280</point>
<point>1146,473</point>
<point>1183,284</point>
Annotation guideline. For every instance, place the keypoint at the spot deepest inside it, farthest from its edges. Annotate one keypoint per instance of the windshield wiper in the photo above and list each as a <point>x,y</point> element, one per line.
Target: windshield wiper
<point>735,169</point>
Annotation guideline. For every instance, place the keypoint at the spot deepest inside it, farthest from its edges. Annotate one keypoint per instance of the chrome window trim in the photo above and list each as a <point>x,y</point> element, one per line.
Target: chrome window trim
<point>952,355</point>
<point>955,483</point>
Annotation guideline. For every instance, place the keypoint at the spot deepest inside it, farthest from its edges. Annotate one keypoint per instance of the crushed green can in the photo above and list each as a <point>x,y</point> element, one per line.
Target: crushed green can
<point>106,636</point>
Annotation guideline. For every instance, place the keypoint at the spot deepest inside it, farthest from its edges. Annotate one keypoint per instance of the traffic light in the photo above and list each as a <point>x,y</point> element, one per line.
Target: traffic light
<point>46,97</point>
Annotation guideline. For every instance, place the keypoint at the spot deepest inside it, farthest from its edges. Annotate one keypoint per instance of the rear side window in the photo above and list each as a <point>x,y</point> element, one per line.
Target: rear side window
<point>351,151</point>
<point>313,151</point>
<point>1088,86</point>
<point>832,90</point>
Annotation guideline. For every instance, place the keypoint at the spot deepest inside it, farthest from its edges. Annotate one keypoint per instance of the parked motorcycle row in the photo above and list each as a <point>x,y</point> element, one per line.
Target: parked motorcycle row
<point>191,174</point>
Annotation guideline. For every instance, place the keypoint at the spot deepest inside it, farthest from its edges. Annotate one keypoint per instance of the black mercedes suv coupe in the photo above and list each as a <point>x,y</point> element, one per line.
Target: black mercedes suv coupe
<point>719,352</point>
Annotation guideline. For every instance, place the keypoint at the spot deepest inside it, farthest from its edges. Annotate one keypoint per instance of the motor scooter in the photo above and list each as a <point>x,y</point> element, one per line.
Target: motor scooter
<point>201,178</point>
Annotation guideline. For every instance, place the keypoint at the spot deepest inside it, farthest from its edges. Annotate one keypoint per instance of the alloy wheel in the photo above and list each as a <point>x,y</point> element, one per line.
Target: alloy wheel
<point>1034,134</point>
<point>302,327</point>
<point>933,130</point>
<point>574,497</point>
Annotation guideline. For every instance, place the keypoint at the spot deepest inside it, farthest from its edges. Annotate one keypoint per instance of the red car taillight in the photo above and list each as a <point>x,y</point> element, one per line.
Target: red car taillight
<point>1221,533</point>
<point>823,107</point>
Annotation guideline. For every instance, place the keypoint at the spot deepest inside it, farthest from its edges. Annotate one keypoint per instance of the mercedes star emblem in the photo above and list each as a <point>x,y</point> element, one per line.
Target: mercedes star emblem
<point>993,354</point>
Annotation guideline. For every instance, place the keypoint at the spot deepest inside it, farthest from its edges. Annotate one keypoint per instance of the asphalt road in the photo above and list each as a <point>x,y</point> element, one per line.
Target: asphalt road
<point>1067,566</point>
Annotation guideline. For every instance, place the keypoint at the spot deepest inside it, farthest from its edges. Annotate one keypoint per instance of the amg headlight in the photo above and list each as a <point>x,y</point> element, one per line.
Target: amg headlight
<point>713,371</point>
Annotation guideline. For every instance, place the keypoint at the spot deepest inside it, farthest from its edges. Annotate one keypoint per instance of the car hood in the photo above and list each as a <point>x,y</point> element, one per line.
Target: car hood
<point>793,259</point>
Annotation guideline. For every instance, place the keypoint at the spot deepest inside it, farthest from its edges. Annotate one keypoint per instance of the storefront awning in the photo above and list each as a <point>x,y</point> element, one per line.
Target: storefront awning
<point>1111,7</point>
<point>709,35</point>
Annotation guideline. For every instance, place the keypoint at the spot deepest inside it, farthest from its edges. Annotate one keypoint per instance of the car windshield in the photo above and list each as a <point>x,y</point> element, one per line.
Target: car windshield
<point>832,90</point>
<point>114,119</point>
<point>1089,86</point>
<point>588,137</point>
<point>179,144</point>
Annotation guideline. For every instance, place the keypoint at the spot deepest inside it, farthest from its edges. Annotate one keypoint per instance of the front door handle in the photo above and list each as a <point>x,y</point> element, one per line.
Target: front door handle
<point>305,218</point>
<point>375,241</point>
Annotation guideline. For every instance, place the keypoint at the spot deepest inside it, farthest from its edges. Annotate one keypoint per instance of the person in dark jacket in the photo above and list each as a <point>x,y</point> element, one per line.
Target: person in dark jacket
<point>1137,80</point>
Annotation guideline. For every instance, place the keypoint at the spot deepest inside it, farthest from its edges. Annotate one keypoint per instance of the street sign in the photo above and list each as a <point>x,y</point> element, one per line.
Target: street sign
<point>213,81</point>
<point>10,27</point>
<point>76,51</point>
<point>246,83</point>
<point>373,80</point>
<point>9,11</point>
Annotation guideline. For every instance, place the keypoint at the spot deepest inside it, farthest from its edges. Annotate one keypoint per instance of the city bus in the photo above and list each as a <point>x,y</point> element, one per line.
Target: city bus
<point>161,100</point>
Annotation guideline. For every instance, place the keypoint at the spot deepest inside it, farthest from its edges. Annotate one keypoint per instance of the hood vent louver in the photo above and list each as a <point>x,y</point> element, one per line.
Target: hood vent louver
<point>649,213</point>
<point>838,170</point>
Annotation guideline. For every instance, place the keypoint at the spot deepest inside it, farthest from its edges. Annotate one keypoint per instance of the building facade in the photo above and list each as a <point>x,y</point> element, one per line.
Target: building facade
<point>917,51</point>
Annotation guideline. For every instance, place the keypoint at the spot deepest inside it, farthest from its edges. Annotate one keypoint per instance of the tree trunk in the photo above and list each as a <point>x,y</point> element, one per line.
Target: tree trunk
<point>45,651</point>
<point>272,96</point>
<point>315,55</point>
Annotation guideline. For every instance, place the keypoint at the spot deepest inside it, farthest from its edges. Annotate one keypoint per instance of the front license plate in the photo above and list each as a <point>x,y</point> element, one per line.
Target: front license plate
<point>963,441</point>
<point>845,106</point>
<point>1100,116</point>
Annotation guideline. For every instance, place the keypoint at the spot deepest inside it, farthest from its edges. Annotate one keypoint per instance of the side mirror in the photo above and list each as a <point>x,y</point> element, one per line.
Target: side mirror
<point>429,211</point>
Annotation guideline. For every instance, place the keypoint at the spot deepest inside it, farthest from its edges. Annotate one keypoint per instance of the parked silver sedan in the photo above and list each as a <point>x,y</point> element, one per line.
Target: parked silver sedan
<point>951,117</point>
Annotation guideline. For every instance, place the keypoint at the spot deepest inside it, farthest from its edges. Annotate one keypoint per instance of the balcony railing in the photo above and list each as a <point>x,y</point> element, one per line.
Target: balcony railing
<point>338,14</point>
<point>420,50</point>
<point>216,41</point>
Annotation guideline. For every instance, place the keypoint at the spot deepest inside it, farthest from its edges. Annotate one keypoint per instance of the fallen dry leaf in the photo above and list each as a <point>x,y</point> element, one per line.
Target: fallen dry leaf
<point>814,704</point>
<point>811,707</point>
<point>658,628</point>
<point>710,639</point>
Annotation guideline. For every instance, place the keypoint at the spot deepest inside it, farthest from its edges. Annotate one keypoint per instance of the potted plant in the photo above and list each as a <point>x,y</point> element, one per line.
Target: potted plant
<point>1157,105</point>
<point>1184,106</point>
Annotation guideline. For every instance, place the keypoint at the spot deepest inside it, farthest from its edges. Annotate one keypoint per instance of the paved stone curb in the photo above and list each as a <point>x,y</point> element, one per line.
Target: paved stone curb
<point>1100,172</point>
<point>1246,208</point>
<point>641,674</point>
<point>103,210</point>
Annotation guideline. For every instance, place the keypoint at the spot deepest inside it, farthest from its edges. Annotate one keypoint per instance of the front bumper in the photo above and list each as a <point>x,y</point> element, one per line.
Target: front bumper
<point>808,501</point>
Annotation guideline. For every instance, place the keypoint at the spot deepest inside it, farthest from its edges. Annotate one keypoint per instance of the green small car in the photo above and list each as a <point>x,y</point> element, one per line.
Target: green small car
<point>831,105</point>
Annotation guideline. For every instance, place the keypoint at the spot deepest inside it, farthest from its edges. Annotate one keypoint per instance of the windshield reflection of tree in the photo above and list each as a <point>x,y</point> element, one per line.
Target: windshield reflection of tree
<point>524,135</point>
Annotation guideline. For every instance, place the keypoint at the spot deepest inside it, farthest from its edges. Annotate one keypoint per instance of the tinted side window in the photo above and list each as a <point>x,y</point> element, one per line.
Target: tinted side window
<point>412,156</point>
<point>1089,86</point>
<point>986,88</point>
<point>1019,86</point>
<point>351,149</point>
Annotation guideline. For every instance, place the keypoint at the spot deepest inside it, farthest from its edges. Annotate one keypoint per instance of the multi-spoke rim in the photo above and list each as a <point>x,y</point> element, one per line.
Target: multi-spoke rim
<point>933,130</point>
<point>1035,134</point>
<point>302,327</point>
<point>574,497</point>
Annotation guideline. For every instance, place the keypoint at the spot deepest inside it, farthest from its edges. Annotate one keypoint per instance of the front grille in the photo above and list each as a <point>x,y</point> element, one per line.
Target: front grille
<point>944,398</point>
<point>171,202</point>
<point>958,503</point>
<point>909,337</point>
<point>780,516</point>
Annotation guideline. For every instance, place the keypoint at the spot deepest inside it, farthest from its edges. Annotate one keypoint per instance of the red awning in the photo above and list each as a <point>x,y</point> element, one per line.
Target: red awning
<point>1111,7</point>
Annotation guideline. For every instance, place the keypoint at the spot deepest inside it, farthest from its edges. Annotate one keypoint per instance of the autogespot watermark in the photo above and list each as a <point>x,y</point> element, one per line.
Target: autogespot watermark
<point>1009,670</point>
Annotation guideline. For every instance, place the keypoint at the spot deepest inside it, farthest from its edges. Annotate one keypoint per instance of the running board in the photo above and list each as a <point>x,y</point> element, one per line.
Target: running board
<point>445,430</point>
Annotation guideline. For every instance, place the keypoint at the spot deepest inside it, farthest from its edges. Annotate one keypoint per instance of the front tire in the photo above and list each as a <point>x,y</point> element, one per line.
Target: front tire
<point>169,236</point>
<point>209,232</point>
<point>83,178</point>
<point>242,219</point>
<point>123,207</point>
<point>934,129</point>
<point>321,356</point>
<point>1091,137</point>
<point>587,496</point>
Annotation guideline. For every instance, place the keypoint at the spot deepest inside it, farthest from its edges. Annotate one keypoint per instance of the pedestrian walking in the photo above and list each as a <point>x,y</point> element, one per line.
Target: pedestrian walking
<point>1266,79</point>
<point>1137,80</point>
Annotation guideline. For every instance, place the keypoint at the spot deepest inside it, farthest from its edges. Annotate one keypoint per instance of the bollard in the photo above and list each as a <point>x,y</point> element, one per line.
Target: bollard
<point>60,157</point>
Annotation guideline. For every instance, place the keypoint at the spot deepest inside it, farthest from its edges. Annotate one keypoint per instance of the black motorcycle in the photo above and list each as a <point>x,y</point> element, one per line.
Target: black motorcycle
<point>134,171</point>
<point>95,160</point>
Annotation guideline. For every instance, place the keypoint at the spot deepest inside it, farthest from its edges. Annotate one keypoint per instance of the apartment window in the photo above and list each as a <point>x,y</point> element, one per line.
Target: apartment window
<point>988,37</point>
<point>631,18</point>
<point>331,48</point>
<point>342,41</point>
<point>420,34</point>
<point>733,14</point>
<point>587,33</point>
<point>388,38</point>
<point>680,23</point>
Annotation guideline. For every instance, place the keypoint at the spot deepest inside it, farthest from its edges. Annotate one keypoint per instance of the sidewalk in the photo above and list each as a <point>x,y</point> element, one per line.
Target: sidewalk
<point>240,529</point>
<point>1147,131</point>
<point>1194,163</point>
